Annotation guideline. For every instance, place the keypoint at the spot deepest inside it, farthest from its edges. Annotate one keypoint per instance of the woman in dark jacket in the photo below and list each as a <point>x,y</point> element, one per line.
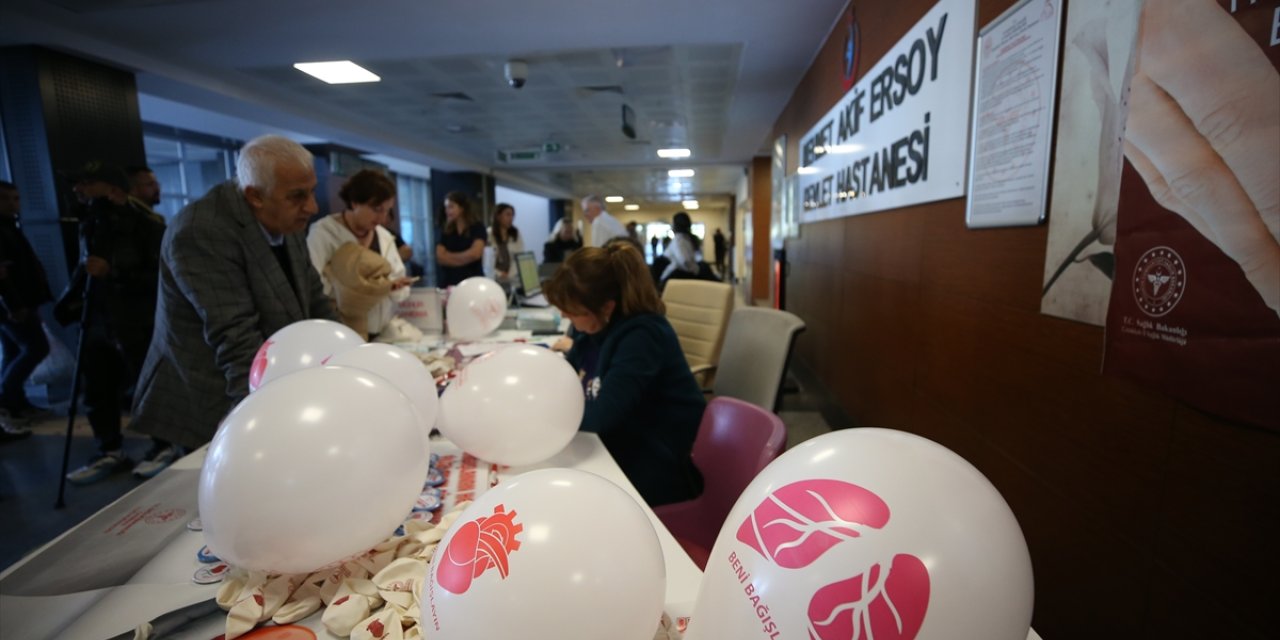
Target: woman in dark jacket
<point>641,397</point>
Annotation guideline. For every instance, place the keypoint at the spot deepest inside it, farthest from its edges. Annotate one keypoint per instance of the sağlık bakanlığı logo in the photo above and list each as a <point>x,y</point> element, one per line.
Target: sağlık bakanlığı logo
<point>478,545</point>
<point>794,526</point>
<point>1159,281</point>
<point>849,55</point>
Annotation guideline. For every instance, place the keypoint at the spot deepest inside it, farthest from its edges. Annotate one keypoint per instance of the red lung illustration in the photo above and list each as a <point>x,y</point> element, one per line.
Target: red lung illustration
<point>798,523</point>
<point>478,545</point>
<point>880,604</point>
<point>259,366</point>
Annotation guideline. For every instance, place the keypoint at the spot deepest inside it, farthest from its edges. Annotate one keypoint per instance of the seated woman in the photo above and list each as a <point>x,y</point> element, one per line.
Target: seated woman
<point>369,195</point>
<point>460,243</point>
<point>565,239</point>
<point>641,397</point>
<point>504,237</point>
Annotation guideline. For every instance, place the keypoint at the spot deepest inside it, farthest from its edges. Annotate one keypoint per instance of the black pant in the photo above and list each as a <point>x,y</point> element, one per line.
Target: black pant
<point>110,366</point>
<point>24,346</point>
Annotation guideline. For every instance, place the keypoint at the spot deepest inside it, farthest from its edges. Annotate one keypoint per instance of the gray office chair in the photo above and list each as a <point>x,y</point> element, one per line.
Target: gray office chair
<point>754,357</point>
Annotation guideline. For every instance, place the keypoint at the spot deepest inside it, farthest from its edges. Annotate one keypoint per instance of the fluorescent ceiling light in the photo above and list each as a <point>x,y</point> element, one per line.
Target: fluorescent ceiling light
<point>337,72</point>
<point>673,153</point>
<point>632,207</point>
<point>804,171</point>
<point>690,204</point>
<point>680,173</point>
<point>614,199</point>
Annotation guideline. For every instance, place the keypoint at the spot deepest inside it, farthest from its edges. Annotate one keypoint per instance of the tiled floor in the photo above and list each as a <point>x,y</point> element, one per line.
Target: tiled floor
<point>29,472</point>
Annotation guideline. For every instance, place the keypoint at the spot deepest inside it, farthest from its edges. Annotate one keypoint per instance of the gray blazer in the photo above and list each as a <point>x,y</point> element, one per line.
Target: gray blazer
<point>222,293</point>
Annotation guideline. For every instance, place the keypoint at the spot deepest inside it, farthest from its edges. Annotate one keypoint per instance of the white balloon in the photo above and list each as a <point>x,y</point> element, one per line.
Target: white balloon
<point>867,533</point>
<point>314,468</point>
<point>475,308</point>
<point>551,553</point>
<point>402,369</point>
<point>515,406</point>
<point>306,343</point>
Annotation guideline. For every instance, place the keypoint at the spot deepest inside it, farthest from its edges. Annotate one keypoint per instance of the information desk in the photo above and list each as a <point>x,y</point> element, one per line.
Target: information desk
<point>134,560</point>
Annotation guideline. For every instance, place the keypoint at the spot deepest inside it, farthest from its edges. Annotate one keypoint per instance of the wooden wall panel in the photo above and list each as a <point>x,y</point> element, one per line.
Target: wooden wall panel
<point>1144,518</point>
<point>761,249</point>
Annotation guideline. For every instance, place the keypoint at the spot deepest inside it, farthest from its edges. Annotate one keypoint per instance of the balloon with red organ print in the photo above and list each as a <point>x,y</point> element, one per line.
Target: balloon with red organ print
<point>306,343</point>
<point>553,553</point>
<point>867,533</point>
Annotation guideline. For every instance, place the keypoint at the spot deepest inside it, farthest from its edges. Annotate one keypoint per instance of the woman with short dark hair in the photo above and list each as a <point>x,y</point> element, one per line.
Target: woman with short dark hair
<point>641,397</point>
<point>369,196</point>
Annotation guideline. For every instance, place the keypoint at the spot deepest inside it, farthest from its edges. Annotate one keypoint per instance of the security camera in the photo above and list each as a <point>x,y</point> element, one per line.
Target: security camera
<point>516,71</point>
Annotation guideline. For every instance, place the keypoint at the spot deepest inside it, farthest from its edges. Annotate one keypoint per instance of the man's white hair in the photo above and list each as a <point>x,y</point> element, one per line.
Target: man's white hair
<point>259,157</point>
<point>592,199</point>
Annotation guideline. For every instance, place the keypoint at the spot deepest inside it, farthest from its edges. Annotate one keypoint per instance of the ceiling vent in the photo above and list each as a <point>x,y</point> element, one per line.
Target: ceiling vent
<point>602,88</point>
<point>453,95</point>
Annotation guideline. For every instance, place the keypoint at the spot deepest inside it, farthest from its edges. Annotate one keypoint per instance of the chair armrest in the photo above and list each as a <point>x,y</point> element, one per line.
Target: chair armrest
<point>703,374</point>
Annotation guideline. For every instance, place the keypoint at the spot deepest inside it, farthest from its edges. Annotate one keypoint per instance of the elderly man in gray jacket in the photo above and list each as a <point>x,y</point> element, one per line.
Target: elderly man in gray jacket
<point>234,269</point>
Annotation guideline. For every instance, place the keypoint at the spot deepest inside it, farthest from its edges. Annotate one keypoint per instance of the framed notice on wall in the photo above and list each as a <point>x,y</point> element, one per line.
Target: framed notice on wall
<point>1016,71</point>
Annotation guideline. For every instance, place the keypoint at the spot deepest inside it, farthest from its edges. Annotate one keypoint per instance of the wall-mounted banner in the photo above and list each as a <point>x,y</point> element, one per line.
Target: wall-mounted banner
<point>900,136</point>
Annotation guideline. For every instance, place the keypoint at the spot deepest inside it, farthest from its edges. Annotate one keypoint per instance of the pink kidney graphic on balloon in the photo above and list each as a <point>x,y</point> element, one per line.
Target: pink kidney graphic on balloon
<point>799,523</point>
<point>878,603</point>
<point>476,546</point>
<point>259,366</point>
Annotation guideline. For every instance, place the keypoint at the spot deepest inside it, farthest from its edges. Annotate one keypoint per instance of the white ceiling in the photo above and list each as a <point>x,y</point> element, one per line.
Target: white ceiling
<point>709,75</point>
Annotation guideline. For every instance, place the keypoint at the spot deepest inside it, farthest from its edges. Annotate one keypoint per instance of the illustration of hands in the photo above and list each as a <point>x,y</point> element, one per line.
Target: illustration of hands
<point>1204,132</point>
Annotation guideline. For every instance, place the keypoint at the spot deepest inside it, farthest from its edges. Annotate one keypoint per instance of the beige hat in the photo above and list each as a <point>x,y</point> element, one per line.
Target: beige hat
<point>361,279</point>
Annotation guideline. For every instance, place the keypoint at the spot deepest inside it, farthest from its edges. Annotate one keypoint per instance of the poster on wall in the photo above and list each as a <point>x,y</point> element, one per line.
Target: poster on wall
<point>1017,66</point>
<point>900,136</point>
<point>784,224</point>
<point>1079,259</point>
<point>1195,301</point>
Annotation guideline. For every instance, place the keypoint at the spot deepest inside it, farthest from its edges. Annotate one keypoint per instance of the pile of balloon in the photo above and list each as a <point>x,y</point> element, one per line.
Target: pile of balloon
<point>864,533</point>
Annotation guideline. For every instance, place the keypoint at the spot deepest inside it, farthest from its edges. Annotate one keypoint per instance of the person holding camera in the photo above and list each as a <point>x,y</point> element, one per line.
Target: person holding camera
<point>120,245</point>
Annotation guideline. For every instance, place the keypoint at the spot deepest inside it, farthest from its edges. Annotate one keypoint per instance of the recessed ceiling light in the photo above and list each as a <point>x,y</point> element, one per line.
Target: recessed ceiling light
<point>690,204</point>
<point>632,207</point>
<point>614,199</point>
<point>673,153</point>
<point>680,173</point>
<point>337,71</point>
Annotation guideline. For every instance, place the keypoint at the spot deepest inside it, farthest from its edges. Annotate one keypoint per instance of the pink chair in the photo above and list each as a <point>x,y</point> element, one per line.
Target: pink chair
<point>735,441</point>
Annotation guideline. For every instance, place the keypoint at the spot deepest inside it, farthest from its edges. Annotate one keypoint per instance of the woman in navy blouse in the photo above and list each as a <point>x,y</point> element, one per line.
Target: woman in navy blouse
<point>460,244</point>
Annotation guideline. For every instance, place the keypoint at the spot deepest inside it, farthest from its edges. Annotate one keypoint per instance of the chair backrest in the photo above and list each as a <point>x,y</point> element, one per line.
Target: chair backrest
<point>699,312</point>
<point>753,361</point>
<point>735,441</point>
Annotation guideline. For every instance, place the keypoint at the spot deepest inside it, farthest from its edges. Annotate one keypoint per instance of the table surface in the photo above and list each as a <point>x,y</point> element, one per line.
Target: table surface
<point>163,583</point>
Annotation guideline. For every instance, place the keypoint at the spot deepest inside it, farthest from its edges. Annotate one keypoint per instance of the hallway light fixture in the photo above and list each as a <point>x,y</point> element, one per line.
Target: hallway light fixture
<point>690,204</point>
<point>632,207</point>
<point>614,199</point>
<point>680,173</point>
<point>673,153</point>
<point>337,72</point>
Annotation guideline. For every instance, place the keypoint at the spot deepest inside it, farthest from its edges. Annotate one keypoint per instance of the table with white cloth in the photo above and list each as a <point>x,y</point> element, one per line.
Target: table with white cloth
<point>143,540</point>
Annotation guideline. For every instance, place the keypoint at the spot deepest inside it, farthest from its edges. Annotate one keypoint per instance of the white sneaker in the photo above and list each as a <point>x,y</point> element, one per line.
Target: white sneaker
<point>9,433</point>
<point>156,460</point>
<point>98,468</point>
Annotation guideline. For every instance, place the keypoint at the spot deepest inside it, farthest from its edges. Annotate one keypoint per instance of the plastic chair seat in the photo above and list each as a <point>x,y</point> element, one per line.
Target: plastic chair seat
<point>736,439</point>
